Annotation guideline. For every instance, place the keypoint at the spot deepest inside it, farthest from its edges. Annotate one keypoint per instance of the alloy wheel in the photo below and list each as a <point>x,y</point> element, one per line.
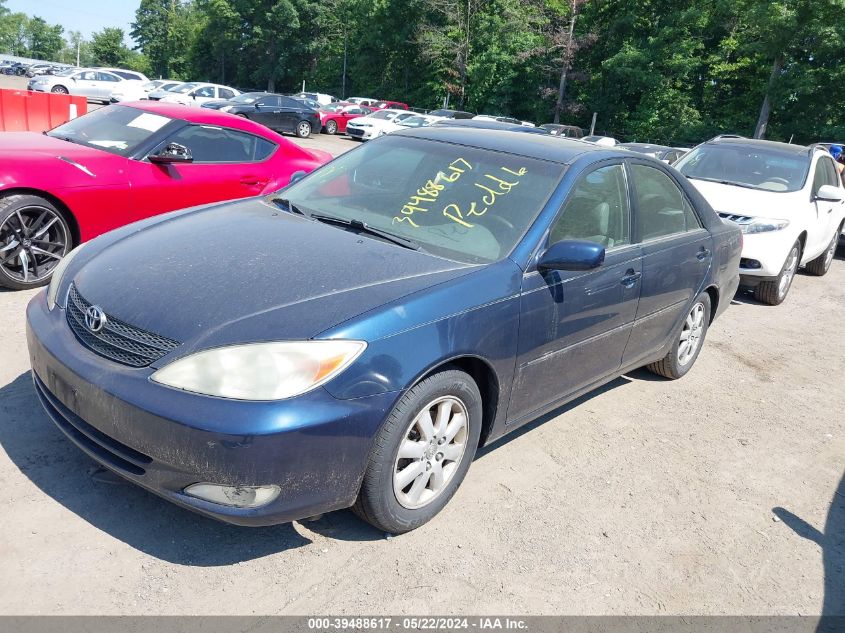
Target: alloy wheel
<point>691,334</point>
<point>831,250</point>
<point>33,240</point>
<point>431,452</point>
<point>304,129</point>
<point>788,272</point>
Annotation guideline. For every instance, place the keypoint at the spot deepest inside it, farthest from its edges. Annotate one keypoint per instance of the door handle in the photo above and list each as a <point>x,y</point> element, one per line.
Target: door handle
<point>252,180</point>
<point>631,278</point>
<point>703,254</point>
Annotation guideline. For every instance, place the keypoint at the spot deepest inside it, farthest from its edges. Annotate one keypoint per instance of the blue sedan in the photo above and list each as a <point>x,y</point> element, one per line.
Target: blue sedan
<point>353,339</point>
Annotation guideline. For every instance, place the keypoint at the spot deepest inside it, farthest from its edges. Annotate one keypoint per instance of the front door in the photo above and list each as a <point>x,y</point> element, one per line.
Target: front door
<point>677,254</point>
<point>574,325</point>
<point>227,164</point>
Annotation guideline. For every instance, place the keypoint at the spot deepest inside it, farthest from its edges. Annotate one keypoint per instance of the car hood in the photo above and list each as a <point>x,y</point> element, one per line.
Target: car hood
<point>748,202</point>
<point>249,271</point>
<point>30,156</point>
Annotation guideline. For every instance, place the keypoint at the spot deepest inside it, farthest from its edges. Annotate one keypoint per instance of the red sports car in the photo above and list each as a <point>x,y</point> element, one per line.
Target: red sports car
<point>335,116</point>
<point>124,163</point>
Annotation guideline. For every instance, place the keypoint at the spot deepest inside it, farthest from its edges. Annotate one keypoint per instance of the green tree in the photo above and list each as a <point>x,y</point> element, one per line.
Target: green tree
<point>161,29</point>
<point>43,40</point>
<point>108,49</point>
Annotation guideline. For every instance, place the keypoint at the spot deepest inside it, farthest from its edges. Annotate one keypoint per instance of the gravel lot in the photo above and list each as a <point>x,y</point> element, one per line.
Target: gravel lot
<point>722,493</point>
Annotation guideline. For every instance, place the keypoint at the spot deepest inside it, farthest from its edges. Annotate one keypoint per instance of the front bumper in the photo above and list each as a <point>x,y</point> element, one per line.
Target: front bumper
<point>361,133</point>
<point>766,252</point>
<point>314,447</point>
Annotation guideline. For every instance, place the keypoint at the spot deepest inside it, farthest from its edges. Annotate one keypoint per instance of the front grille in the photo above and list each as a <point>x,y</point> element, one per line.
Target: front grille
<point>733,217</point>
<point>117,341</point>
<point>354,131</point>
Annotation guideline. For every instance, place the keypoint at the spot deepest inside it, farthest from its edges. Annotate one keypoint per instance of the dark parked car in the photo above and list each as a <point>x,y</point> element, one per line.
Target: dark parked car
<point>352,339</point>
<point>568,131</point>
<point>451,114</point>
<point>279,113</point>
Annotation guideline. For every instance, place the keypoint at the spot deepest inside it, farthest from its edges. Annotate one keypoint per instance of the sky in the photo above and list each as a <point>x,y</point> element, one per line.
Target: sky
<point>86,16</point>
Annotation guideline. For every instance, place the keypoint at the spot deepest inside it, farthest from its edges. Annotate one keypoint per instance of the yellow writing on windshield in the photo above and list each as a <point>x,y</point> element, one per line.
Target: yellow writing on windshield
<point>430,191</point>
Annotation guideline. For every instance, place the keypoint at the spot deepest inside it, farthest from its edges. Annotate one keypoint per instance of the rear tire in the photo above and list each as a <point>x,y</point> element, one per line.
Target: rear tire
<point>303,129</point>
<point>34,236</point>
<point>821,264</point>
<point>688,342</point>
<point>331,127</point>
<point>436,424</point>
<point>774,292</point>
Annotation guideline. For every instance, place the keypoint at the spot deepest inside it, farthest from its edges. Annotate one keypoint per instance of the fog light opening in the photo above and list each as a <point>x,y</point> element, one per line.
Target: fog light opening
<point>234,496</point>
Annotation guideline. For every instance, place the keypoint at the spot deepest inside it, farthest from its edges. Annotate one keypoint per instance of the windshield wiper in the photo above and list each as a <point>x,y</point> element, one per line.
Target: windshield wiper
<point>363,227</point>
<point>289,206</point>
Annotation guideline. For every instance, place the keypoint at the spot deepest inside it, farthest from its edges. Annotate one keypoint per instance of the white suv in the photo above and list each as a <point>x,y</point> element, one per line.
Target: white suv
<point>787,199</point>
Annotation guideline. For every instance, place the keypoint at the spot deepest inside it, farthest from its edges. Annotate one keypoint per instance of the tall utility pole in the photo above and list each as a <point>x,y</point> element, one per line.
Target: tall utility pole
<point>345,33</point>
<point>78,45</point>
<point>567,59</point>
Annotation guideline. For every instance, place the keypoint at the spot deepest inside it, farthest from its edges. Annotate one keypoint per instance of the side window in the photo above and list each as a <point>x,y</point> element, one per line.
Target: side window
<point>107,77</point>
<point>225,93</point>
<point>819,176</point>
<point>832,175</point>
<point>221,145</point>
<point>87,76</point>
<point>662,208</point>
<point>206,91</point>
<point>597,210</point>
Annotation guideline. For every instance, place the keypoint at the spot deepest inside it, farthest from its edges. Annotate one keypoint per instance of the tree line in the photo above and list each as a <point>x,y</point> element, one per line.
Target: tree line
<point>670,71</point>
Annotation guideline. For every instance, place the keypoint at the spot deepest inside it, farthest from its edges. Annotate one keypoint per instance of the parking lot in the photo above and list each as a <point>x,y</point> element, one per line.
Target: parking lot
<point>720,493</point>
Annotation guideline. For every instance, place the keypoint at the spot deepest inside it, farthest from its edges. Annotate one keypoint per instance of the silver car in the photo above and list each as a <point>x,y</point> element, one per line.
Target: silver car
<point>96,84</point>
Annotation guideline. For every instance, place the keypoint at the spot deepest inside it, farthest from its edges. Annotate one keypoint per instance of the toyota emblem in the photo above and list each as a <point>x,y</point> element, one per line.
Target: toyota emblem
<point>95,319</point>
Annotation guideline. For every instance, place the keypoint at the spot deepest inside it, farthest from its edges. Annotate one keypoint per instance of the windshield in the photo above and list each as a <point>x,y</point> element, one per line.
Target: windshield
<point>458,202</point>
<point>381,114</point>
<point>115,129</point>
<point>415,121</point>
<point>746,166</point>
<point>66,73</point>
<point>334,107</point>
<point>184,88</point>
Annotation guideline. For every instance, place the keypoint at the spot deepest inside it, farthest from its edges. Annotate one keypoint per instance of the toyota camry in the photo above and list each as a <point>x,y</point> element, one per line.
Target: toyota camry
<point>353,339</point>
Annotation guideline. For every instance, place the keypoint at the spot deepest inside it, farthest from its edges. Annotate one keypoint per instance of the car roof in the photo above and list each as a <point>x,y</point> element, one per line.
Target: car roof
<point>644,146</point>
<point>540,146</point>
<point>786,148</point>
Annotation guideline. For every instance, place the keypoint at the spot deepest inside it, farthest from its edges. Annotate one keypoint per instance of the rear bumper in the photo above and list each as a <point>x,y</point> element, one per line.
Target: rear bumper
<point>314,447</point>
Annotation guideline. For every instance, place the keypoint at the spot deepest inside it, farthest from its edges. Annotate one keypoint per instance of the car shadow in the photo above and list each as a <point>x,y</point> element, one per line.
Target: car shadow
<point>832,542</point>
<point>127,512</point>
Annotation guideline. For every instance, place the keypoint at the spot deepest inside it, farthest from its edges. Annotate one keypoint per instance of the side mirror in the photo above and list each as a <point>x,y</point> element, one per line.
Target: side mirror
<point>297,176</point>
<point>829,193</point>
<point>572,255</point>
<point>172,153</point>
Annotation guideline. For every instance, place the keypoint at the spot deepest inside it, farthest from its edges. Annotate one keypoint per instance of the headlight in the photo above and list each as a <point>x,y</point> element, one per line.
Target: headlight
<point>226,109</point>
<point>763,226</point>
<point>260,371</point>
<point>58,274</point>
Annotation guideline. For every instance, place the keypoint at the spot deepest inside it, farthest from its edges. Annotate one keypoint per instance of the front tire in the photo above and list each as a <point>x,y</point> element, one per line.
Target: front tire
<point>774,292</point>
<point>34,236</point>
<point>821,264</point>
<point>303,129</point>
<point>422,453</point>
<point>331,127</point>
<point>688,342</point>
<point>59,90</point>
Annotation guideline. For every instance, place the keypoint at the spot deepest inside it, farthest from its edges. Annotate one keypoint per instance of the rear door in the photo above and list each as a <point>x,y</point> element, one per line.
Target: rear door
<point>677,254</point>
<point>105,84</point>
<point>227,164</point>
<point>574,325</point>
